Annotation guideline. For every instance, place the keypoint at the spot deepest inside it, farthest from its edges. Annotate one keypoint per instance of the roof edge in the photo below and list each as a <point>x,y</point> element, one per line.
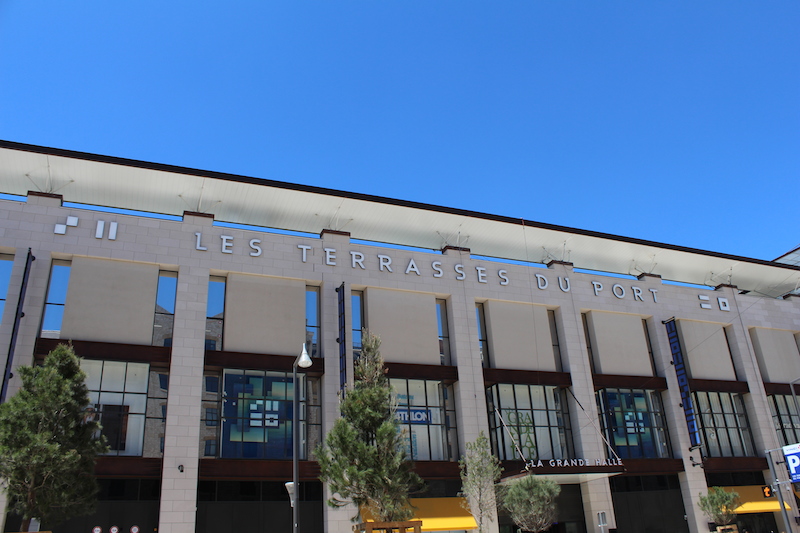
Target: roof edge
<point>135,163</point>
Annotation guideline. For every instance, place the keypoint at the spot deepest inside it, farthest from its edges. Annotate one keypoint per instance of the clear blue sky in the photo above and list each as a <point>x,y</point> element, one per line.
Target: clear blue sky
<point>673,121</point>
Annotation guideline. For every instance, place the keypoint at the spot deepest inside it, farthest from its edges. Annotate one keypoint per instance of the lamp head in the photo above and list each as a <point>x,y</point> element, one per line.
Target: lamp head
<point>303,360</point>
<point>290,489</point>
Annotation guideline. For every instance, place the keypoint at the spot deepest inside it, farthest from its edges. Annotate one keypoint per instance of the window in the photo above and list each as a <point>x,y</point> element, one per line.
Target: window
<point>551,317</point>
<point>649,346</point>
<point>357,306</point>
<point>212,384</point>
<point>118,396</point>
<point>588,337</point>
<point>785,418</point>
<point>482,337</point>
<point>56,299</point>
<point>531,419</point>
<point>633,422</point>
<point>312,321</point>
<point>723,424</point>
<point>210,449</point>
<point>6,264</point>
<point>444,334</point>
<point>165,308</point>
<point>215,313</point>
<point>426,411</point>
<point>256,409</point>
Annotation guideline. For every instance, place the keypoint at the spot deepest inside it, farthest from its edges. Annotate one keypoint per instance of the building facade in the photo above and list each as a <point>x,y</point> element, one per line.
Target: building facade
<point>636,374</point>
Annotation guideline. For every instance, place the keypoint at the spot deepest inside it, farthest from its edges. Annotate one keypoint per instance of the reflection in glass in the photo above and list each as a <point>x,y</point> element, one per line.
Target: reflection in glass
<point>132,421</point>
<point>785,418</point>
<point>312,321</point>
<point>6,264</point>
<point>723,424</point>
<point>215,312</point>
<point>633,422</point>
<point>444,332</point>
<point>530,420</point>
<point>357,309</point>
<point>56,300</point>
<point>426,413</point>
<point>252,418</point>
<point>165,308</point>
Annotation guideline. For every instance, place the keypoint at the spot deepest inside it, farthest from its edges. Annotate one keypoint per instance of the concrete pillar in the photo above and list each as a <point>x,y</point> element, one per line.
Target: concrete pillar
<point>596,494</point>
<point>178,510</point>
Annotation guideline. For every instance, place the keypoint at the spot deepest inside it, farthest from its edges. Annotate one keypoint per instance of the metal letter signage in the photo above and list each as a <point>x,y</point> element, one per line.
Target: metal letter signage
<point>683,382</point>
<point>792,454</point>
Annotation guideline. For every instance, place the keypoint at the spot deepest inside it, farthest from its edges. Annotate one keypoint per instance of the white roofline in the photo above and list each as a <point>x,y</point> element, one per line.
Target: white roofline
<point>123,183</point>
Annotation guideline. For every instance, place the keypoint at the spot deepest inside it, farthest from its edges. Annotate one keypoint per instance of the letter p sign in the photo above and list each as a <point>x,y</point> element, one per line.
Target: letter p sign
<point>792,455</point>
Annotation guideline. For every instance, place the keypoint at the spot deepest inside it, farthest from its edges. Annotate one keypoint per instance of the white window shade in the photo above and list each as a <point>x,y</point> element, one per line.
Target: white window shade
<point>110,301</point>
<point>777,353</point>
<point>519,336</point>
<point>705,349</point>
<point>406,324</point>
<point>619,346</point>
<point>264,315</point>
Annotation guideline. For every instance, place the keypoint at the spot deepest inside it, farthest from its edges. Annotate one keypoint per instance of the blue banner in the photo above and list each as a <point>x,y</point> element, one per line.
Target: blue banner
<point>683,383</point>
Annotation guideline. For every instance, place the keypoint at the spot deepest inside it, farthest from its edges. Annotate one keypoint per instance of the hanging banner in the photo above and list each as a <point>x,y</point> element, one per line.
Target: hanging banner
<point>683,382</point>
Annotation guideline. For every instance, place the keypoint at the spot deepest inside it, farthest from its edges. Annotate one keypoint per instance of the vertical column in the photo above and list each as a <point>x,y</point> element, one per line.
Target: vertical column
<point>470,389</point>
<point>596,494</point>
<point>757,407</point>
<point>29,325</point>
<point>336,520</point>
<point>182,436</point>
<point>692,479</point>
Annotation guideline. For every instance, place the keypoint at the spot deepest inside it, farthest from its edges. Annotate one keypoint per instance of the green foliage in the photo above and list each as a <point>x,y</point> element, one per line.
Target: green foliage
<point>480,469</point>
<point>363,460</point>
<point>718,505</point>
<point>47,443</point>
<point>531,502</point>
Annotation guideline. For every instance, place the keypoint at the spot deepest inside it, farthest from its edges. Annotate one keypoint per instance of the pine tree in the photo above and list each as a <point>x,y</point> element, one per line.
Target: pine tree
<point>364,460</point>
<point>480,469</point>
<point>531,502</point>
<point>47,442</point>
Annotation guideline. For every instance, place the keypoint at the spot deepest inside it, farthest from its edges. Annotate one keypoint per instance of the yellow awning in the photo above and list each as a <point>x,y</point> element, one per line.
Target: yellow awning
<point>437,514</point>
<point>752,500</point>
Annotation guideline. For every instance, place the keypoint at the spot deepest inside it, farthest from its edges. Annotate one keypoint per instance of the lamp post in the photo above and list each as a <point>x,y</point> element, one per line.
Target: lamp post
<point>293,487</point>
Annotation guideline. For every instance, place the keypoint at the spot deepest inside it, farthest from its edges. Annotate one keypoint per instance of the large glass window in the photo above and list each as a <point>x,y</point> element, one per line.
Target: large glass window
<point>118,394</point>
<point>483,341</point>
<point>6,263</point>
<point>551,317</point>
<point>165,308</point>
<point>357,306</point>
<point>56,299</point>
<point>215,312</point>
<point>444,331</point>
<point>785,418</point>
<point>426,411</point>
<point>531,419</point>
<point>312,321</point>
<point>723,424</point>
<point>252,418</point>
<point>633,422</point>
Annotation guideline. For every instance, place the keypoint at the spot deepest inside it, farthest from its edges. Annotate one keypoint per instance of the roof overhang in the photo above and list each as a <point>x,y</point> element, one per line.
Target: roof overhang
<point>128,184</point>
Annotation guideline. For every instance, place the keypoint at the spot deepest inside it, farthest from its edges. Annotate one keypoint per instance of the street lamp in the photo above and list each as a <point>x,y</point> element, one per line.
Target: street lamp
<point>293,487</point>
